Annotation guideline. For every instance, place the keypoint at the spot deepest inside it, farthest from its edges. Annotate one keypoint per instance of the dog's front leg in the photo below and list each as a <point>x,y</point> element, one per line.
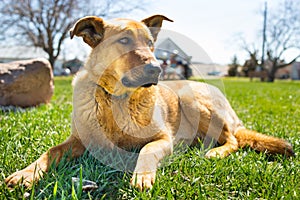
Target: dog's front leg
<point>36,169</point>
<point>150,156</point>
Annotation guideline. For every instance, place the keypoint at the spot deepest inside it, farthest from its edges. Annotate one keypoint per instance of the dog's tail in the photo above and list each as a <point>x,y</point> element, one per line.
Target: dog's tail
<point>263,143</point>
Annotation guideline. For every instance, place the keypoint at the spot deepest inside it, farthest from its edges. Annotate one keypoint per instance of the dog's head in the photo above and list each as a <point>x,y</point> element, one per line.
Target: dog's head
<point>122,56</point>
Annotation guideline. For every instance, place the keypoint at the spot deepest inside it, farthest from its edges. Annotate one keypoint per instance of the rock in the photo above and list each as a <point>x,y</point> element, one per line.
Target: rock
<point>87,185</point>
<point>26,83</point>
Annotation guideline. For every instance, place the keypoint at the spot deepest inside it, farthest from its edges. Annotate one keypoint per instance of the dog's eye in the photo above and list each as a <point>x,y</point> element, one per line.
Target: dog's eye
<point>124,40</point>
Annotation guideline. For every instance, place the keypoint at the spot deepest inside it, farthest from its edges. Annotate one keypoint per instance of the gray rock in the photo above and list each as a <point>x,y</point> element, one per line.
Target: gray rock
<point>26,83</point>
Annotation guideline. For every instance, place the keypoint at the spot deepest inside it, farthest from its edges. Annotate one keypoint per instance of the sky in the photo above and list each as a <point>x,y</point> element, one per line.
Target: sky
<point>216,26</point>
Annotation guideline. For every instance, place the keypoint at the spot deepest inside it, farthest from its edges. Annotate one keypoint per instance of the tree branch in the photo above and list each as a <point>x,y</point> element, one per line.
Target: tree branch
<point>289,63</point>
<point>46,23</point>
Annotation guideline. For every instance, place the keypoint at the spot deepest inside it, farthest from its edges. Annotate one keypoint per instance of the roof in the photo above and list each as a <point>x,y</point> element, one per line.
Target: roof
<point>167,45</point>
<point>21,52</point>
<point>175,41</point>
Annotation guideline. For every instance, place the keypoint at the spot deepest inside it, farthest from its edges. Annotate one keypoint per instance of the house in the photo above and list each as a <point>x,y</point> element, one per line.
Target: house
<point>73,65</point>
<point>187,51</point>
<point>291,71</point>
<point>295,71</point>
<point>13,53</point>
<point>167,47</point>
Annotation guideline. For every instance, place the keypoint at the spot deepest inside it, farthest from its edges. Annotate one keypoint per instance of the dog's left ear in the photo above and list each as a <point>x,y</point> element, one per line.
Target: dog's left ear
<point>154,23</point>
<point>90,28</point>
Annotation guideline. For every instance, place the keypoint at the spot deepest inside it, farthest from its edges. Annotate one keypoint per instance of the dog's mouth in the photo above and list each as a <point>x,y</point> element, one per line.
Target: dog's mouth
<point>142,76</point>
<point>141,82</point>
<point>148,85</point>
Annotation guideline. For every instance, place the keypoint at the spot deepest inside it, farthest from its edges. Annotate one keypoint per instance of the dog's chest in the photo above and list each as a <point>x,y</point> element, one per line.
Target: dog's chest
<point>128,122</point>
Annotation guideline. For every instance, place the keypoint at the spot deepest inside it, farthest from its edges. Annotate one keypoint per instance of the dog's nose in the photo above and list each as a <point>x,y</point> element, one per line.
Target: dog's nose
<point>152,70</point>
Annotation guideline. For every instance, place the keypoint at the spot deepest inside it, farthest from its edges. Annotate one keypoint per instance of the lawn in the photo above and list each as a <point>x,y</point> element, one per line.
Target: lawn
<point>271,108</point>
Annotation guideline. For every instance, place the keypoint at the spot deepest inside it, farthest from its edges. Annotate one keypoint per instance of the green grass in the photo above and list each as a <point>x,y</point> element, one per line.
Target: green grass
<point>271,108</point>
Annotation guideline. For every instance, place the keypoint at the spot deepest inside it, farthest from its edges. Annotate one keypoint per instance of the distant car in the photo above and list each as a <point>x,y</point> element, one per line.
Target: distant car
<point>214,73</point>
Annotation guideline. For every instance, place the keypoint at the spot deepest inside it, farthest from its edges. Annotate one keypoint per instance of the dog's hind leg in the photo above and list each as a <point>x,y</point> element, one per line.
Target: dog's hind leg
<point>35,170</point>
<point>230,146</point>
<point>218,129</point>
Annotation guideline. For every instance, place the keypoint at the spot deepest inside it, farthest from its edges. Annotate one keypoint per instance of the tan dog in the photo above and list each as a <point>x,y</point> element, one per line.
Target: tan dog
<point>118,102</point>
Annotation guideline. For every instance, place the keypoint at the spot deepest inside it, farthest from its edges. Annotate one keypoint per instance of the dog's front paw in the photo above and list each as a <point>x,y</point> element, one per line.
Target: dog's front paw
<point>143,180</point>
<point>23,177</point>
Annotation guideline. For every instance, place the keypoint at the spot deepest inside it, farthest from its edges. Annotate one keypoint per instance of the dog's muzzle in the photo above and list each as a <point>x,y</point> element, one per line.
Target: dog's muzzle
<point>149,76</point>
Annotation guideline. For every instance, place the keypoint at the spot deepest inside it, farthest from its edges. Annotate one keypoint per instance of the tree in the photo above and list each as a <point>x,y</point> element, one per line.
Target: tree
<point>252,62</point>
<point>46,23</point>
<point>233,67</point>
<point>282,35</point>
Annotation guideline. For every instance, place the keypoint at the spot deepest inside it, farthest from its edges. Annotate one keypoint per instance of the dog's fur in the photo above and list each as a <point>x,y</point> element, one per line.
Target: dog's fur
<point>118,101</point>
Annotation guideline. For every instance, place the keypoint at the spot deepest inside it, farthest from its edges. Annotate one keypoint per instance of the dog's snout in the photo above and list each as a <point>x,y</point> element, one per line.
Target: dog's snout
<point>152,70</point>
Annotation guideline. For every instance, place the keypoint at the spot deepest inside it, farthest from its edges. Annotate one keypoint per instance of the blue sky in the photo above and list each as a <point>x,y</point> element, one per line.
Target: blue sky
<point>215,25</point>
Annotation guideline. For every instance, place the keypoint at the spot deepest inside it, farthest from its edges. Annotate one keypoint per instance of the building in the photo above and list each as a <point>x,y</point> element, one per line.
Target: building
<point>291,71</point>
<point>295,71</point>
<point>188,51</point>
<point>166,47</point>
<point>73,65</point>
<point>14,53</point>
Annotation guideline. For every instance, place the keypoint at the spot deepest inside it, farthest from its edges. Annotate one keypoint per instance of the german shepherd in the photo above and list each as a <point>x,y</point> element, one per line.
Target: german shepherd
<point>118,101</point>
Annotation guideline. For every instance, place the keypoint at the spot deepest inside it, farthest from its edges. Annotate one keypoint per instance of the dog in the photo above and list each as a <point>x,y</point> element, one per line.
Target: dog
<point>118,101</point>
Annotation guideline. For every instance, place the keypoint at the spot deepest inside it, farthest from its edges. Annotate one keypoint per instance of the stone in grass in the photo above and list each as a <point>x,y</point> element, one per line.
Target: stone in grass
<point>26,83</point>
<point>86,184</point>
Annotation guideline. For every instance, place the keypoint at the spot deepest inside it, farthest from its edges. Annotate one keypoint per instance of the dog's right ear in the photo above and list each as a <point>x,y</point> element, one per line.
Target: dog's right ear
<point>90,28</point>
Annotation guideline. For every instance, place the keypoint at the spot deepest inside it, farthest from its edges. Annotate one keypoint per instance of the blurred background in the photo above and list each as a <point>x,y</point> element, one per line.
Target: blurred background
<point>257,38</point>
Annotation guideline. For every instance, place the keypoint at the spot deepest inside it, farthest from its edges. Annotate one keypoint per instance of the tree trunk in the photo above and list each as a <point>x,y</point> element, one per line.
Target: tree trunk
<point>51,58</point>
<point>52,61</point>
<point>271,77</point>
<point>272,72</point>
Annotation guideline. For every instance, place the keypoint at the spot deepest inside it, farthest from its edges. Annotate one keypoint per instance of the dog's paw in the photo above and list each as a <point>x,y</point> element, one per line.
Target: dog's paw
<point>215,153</point>
<point>143,181</point>
<point>22,177</point>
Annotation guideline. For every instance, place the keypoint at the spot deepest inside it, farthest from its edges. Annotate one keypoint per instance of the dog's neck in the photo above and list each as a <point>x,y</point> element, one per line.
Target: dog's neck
<point>126,115</point>
<point>140,95</point>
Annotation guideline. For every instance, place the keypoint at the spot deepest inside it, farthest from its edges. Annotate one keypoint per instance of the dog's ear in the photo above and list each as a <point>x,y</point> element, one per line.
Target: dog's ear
<point>154,23</point>
<point>90,28</point>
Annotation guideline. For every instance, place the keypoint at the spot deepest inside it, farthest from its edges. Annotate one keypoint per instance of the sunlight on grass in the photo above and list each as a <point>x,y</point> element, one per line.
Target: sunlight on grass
<point>271,108</point>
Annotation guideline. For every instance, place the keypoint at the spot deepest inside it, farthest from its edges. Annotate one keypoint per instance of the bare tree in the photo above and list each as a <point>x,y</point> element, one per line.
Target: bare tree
<point>47,23</point>
<point>233,67</point>
<point>252,62</point>
<point>282,35</point>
